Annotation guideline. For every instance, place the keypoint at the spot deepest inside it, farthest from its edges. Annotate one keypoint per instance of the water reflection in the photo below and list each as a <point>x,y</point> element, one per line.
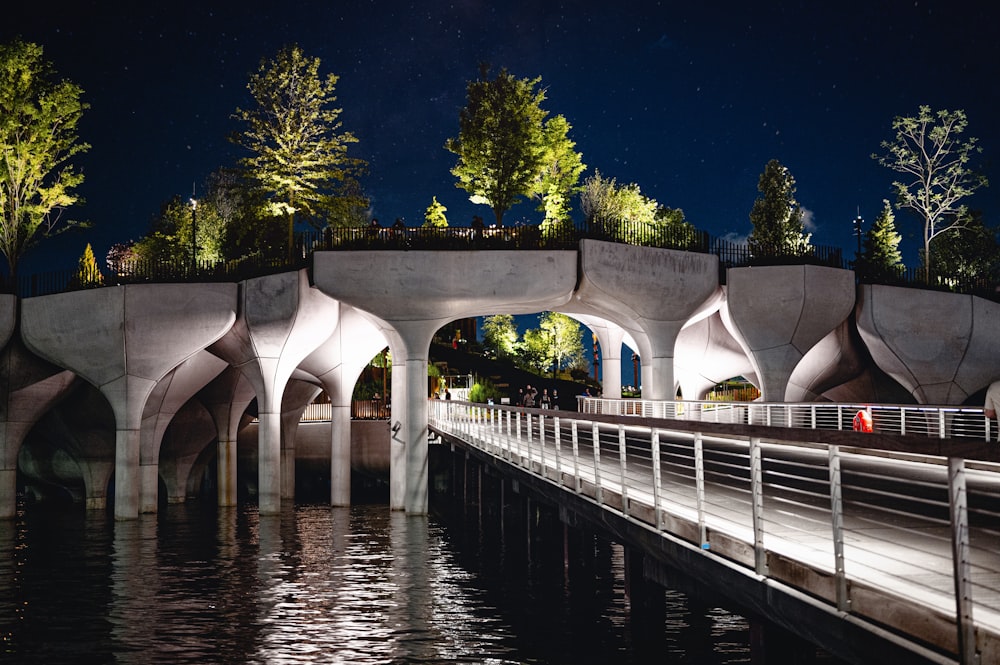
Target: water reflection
<point>319,585</point>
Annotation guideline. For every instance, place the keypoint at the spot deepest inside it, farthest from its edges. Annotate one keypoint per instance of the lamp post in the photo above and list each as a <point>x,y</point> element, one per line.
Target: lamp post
<point>194,236</point>
<point>858,222</point>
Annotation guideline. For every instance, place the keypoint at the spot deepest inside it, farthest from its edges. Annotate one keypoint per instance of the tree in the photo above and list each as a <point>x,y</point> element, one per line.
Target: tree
<point>929,150</point>
<point>555,344</point>
<point>38,138</point>
<point>501,143</point>
<point>776,216</point>
<point>558,179</point>
<point>880,257</point>
<point>169,239</point>
<point>624,214</point>
<point>88,274</point>
<point>298,153</point>
<point>968,256</point>
<point>434,216</point>
<point>500,334</point>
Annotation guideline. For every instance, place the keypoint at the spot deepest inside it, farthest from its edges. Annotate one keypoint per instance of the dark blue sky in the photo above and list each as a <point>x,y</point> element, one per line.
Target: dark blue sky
<point>687,102</point>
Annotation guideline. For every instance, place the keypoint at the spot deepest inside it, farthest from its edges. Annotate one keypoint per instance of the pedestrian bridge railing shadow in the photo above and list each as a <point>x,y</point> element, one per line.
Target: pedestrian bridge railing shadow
<point>905,544</point>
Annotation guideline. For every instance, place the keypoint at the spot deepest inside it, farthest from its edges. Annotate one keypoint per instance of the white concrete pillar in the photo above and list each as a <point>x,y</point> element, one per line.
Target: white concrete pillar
<point>8,492</point>
<point>127,477</point>
<point>149,485</point>
<point>269,463</point>
<point>415,439</point>
<point>340,455</point>
<point>397,432</point>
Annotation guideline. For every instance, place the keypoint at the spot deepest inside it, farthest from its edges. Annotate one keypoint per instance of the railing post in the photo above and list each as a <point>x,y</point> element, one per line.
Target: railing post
<point>578,483</point>
<point>655,449</point>
<point>837,524</point>
<point>556,437</point>
<point>527,418</point>
<point>621,465</point>
<point>596,440</point>
<point>699,489</point>
<point>541,445</point>
<point>757,505</point>
<point>941,424</point>
<point>517,437</point>
<point>962,570</point>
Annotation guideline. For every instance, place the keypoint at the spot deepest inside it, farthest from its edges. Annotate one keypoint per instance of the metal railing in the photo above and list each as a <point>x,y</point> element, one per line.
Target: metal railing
<point>931,421</point>
<point>884,539</point>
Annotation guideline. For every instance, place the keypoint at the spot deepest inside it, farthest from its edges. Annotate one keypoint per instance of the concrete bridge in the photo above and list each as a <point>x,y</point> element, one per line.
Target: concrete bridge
<point>174,366</point>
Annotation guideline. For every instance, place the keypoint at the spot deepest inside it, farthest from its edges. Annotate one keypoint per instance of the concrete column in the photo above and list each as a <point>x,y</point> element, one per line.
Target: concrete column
<point>416,436</point>
<point>149,486</point>
<point>269,463</point>
<point>283,320</point>
<point>340,455</point>
<point>397,430</point>
<point>226,472</point>
<point>126,473</point>
<point>226,399</point>
<point>8,492</point>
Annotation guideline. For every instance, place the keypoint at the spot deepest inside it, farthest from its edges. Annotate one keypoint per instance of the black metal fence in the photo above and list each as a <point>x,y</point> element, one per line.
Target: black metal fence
<point>519,237</point>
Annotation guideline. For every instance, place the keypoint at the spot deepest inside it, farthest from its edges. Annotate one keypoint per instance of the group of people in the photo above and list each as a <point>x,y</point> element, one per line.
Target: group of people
<point>528,397</point>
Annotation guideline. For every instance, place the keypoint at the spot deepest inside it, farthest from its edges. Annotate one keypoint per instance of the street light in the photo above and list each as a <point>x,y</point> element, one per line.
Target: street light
<point>858,222</point>
<point>194,236</point>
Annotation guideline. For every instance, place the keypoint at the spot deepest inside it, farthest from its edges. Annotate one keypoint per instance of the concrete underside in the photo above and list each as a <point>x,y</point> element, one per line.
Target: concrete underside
<point>168,370</point>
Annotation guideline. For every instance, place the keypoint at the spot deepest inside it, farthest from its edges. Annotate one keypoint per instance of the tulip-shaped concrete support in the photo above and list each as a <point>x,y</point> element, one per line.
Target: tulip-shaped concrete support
<point>941,347</point>
<point>778,313</point>
<point>707,354</point>
<point>651,293</point>
<point>296,397</point>
<point>282,321</point>
<point>610,337</point>
<point>123,340</point>
<point>163,403</point>
<point>226,399</point>
<point>418,292</point>
<point>337,372</point>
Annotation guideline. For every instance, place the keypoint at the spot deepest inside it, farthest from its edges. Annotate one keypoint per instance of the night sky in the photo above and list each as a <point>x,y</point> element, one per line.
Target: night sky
<point>688,102</point>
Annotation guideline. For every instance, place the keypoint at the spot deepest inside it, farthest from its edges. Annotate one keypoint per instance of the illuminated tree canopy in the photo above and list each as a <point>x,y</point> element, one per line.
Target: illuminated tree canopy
<point>38,137</point>
<point>778,229</point>
<point>298,152</point>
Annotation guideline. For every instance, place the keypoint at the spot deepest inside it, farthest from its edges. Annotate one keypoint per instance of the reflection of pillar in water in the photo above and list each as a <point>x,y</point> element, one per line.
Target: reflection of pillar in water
<point>412,569</point>
<point>135,584</point>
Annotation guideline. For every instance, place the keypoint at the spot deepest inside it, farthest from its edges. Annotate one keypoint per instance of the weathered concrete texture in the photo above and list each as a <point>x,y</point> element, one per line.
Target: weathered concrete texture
<point>296,397</point>
<point>651,293</point>
<point>778,313</point>
<point>124,340</point>
<point>941,347</point>
<point>418,292</point>
<point>185,450</point>
<point>29,386</point>
<point>708,354</point>
<point>282,321</point>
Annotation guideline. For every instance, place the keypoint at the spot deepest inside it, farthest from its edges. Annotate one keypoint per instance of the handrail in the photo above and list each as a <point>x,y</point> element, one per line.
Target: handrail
<point>886,541</point>
<point>943,422</point>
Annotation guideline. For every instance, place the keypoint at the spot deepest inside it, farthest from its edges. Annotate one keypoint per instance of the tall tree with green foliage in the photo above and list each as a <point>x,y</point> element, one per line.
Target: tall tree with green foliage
<point>880,256</point>
<point>500,334</point>
<point>502,144</point>
<point>969,256</point>
<point>298,152</point>
<point>170,235</point>
<point>557,343</point>
<point>559,178</point>
<point>434,216</point>
<point>39,114</point>
<point>930,151</point>
<point>88,274</point>
<point>778,228</point>
<point>624,214</point>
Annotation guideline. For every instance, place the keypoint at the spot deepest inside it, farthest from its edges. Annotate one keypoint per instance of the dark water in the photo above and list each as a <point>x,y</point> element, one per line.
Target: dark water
<point>327,585</point>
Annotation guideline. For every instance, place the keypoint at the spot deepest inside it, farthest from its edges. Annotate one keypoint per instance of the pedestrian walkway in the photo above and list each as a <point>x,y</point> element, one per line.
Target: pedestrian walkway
<point>875,538</point>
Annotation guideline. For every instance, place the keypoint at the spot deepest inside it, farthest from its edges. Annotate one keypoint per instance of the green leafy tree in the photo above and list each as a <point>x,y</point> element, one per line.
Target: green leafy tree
<point>557,343</point>
<point>434,216</point>
<point>500,335</point>
<point>624,214</point>
<point>558,180</point>
<point>298,152</point>
<point>38,137</point>
<point>880,257</point>
<point>501,143</point>
<point>170,237</point>
<point>778,229</point>
<point>931,153</point>
<point>968,256</point>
